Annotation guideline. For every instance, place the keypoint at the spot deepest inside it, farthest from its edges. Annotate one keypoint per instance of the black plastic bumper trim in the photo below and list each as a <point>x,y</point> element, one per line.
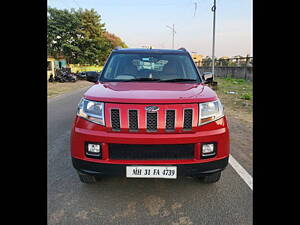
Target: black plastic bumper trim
<point>104,169</point>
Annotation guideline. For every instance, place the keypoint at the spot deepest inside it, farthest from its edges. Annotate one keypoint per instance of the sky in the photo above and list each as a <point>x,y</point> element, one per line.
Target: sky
<point>144,23</point>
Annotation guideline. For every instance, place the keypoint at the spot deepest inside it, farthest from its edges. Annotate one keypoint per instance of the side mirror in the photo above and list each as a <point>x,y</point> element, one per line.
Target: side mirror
<point>92,77</point>
<point>207,76</point>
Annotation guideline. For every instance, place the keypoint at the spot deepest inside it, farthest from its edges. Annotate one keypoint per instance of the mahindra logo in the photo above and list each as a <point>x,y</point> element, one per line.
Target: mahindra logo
<point>151,108</point>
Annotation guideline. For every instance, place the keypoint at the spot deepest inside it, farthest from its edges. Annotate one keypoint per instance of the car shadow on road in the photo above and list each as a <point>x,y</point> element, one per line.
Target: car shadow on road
<point>119,200</point>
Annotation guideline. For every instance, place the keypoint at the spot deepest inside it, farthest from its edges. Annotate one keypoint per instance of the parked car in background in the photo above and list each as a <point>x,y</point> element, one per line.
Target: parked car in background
<point>83,75</point>
<point>69,77</point>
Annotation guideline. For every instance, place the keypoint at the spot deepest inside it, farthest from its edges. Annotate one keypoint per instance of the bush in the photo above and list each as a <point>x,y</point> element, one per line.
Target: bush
<point>234,80</point>
<point>239,81</point>
<point>246,96</point>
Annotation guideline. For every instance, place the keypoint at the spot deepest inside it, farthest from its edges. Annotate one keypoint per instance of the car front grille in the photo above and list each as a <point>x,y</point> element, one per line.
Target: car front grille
<point>151,152</point>
<point>151,122</point>
<point>115,119</point>
<point>170,120</point>
<point>135,118</point>
<point>188,117</point>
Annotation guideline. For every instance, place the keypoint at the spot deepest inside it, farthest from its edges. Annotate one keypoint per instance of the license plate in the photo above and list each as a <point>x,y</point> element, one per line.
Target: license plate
<point>169,172</point>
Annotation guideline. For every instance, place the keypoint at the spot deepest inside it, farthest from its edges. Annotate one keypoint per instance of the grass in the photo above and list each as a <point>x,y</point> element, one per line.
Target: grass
<point>236,96</point>
<point>75,68</point>
<point>56,88</point>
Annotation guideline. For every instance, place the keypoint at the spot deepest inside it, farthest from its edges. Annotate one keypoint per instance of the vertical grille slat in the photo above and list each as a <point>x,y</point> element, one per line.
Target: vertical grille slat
<point>115,119</point>
<point>151,122</point>
<point>188,119</point>
<point>133,120</point>
<point>170,120</point>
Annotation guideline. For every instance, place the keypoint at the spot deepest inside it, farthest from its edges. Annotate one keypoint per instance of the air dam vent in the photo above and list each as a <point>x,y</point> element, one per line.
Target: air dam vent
<point>151,152</point>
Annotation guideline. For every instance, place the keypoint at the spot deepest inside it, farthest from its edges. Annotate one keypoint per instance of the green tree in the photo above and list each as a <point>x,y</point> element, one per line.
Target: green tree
<point>79,36</point>
<point>223,62</point>
<point>207,61</point>
<point>115,40</point>
<point>62,32</point>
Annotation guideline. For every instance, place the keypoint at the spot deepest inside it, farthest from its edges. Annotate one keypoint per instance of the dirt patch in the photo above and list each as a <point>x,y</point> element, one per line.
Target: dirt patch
<point>56,88</point>
<point>237,97</point>
<point>154,205</point>
<point>176,206</point>
<point>185,220</point>
<point>55,218</point>
<point>82,215</point>
<point>129,212</point>
<point>241,141</point>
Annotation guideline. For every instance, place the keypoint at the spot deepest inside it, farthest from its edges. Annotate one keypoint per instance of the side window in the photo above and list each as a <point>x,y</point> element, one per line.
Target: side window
<point>188,68</point>
<point>110,70</point>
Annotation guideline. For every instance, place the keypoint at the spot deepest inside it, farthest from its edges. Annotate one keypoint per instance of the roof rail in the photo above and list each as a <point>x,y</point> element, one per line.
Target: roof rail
<point>182,49</point>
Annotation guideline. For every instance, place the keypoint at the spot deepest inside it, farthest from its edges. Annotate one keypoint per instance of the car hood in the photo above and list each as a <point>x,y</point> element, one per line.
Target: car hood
<point>150,92</point>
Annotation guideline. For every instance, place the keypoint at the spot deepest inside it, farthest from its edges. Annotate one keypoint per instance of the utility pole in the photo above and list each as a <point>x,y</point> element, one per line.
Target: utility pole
<point>173,32</point>
<point>213,46</point>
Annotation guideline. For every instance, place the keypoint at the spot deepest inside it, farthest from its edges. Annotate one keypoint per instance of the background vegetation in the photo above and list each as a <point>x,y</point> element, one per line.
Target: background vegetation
<point>79,36</point>
<point>237,97</point>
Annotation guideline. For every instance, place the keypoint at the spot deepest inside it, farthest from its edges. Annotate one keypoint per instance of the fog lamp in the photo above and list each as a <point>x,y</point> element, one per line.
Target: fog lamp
<point>208,150</point>
<point>93,149</point>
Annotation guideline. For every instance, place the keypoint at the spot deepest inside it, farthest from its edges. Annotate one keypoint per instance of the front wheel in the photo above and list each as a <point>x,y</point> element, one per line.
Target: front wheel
<point>211,178</point>
<point>87,179</point>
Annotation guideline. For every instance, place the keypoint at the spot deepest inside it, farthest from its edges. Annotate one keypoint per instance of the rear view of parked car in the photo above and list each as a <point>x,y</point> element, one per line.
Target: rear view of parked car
<point>85,74</point>
<point>81,76</point>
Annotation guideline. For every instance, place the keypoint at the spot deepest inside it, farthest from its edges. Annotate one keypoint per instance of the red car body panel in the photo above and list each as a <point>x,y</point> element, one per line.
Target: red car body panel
<point>84,130</point>
<point>145,92</point>
<point>136,96</point>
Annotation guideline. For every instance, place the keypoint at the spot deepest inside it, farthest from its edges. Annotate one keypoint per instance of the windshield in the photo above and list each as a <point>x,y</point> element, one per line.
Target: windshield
<point>150,67</point>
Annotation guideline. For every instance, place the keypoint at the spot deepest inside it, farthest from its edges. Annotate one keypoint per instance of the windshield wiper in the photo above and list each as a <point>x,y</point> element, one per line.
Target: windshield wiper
<point>142,79</point>
<point>177,80</point>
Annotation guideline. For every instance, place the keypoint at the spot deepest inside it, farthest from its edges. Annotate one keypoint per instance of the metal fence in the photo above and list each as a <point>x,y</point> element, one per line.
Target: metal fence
<point>239,67</point>
<point>237,72</point>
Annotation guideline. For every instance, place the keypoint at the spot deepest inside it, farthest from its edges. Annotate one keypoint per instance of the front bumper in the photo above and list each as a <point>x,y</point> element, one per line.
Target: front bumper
<point>84,131</point>
<point>104,169</point>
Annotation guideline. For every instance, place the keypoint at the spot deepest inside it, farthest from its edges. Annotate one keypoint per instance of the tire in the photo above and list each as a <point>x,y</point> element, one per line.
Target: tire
<point>212,178</point>
<point>87,179</point>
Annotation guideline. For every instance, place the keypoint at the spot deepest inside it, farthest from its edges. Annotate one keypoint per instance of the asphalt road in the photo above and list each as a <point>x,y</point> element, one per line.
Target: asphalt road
<point>112,200</point>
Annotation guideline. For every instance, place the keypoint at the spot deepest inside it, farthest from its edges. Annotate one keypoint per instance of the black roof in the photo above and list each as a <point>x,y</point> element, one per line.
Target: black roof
<point>146,50</point>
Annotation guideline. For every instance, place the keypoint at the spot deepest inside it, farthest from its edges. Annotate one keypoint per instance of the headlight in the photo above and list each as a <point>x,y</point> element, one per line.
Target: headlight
<point>92,111</point>
<point>210,111</point>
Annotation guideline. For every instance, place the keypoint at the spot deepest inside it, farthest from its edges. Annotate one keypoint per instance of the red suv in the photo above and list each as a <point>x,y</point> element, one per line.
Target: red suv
<point>150,115</point>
